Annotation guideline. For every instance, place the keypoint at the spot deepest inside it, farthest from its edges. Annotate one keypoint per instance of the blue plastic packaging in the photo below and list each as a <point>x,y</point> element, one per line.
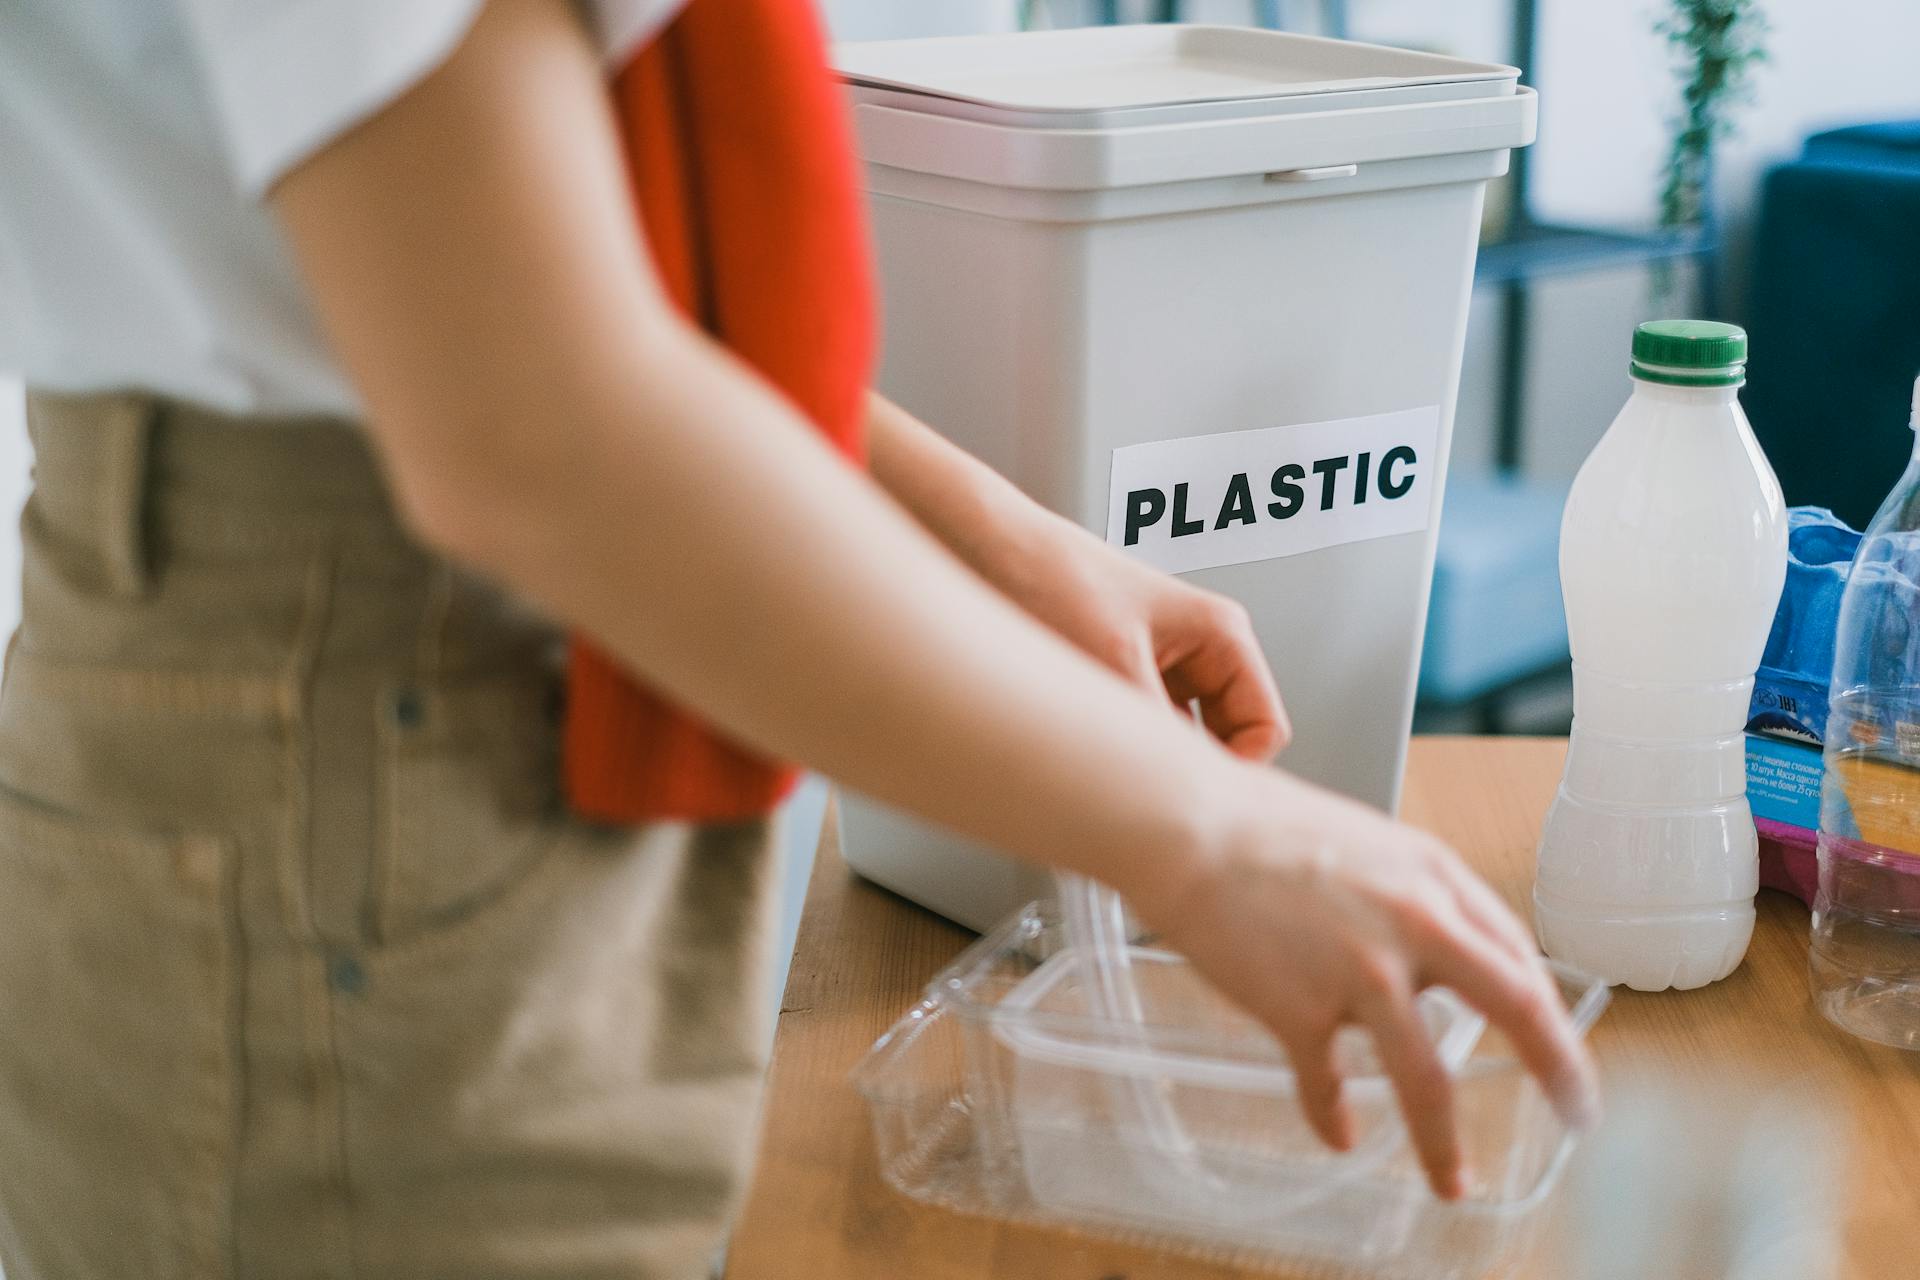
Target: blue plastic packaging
<point>1787,719</point>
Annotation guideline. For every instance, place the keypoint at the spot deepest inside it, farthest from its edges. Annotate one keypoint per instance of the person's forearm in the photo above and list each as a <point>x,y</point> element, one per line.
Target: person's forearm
<point>974,510</point>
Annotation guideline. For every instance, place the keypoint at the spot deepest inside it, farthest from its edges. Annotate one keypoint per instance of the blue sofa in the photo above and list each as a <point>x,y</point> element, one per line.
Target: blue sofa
<point>1834,314</point>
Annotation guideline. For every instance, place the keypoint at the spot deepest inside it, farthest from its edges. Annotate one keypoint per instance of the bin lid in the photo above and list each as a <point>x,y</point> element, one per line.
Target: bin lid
<point>1095,77</point>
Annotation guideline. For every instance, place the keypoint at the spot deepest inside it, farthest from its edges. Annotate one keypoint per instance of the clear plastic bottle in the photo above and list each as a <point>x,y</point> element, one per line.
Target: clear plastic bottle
<point>1673,551</point>
<point>1865,957</point>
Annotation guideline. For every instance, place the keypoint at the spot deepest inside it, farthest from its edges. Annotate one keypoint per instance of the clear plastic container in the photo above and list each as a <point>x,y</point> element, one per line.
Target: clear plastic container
<point>1865,955</point>
<point>997,1095</point>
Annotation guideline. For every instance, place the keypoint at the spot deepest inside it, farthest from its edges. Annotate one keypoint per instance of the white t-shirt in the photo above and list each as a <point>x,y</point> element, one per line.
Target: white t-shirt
<point>136,140</point>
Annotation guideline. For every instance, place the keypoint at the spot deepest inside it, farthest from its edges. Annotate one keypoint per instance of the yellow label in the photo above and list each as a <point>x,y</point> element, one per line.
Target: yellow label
<point>1885,799</point>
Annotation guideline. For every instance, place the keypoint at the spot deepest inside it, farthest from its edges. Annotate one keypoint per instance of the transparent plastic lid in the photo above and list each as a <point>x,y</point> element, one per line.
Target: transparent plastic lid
<point>994,1095</point>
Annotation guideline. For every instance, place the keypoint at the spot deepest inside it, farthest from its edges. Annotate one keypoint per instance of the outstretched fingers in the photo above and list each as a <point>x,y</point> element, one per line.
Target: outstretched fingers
<point>1316,1075</point>
<point>1520,997</point>
<point>1420,1080</point>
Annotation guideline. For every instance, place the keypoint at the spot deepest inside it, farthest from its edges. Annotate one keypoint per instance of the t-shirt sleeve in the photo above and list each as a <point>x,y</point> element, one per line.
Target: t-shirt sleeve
<point>285,77</point>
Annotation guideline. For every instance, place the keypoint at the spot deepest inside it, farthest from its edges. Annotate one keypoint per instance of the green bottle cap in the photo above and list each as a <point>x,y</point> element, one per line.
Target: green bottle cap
<point>1690,353</point>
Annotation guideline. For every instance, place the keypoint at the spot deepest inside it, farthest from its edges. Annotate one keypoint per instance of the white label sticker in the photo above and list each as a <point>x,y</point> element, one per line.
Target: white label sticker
<point>1238,496</point>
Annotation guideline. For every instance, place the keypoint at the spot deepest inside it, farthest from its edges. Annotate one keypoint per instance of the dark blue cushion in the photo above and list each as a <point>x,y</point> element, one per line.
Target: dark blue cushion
<point>1835,329</point>
<point>1889,142</point>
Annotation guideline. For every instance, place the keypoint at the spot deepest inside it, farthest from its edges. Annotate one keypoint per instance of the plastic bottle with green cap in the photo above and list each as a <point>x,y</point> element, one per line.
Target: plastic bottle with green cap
<point>1673,550</point>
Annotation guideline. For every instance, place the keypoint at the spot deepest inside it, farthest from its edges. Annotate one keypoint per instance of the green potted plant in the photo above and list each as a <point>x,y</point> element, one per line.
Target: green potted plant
<point>1716,46</point>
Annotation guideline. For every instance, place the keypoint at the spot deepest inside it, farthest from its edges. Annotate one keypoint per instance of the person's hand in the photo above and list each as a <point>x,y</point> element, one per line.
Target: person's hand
<point>1315,912</point>
<point>1165,635</point>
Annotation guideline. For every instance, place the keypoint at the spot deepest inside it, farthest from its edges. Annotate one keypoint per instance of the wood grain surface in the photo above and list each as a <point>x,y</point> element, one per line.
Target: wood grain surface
<point>819,1211</point>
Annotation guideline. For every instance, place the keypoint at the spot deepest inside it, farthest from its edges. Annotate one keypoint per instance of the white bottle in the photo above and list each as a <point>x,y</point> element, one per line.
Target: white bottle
<point>1673,551</point>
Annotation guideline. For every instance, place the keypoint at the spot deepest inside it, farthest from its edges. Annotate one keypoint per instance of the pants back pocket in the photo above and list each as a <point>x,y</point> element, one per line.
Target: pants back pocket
<point>117,1034</point>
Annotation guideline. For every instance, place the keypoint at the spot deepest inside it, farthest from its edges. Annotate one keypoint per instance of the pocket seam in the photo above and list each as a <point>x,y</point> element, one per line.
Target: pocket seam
<point>32,830</point>
<point>396,918</point>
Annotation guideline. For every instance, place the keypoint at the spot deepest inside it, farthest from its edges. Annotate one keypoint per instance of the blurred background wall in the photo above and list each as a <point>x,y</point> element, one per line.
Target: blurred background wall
<point>15,461</point>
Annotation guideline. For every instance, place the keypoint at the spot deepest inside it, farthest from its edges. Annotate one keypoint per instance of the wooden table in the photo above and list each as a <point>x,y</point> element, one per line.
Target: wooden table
<point>819,1211</point>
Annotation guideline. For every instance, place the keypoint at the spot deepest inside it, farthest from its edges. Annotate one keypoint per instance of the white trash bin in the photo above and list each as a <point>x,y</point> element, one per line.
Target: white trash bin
<point>1203,290</point>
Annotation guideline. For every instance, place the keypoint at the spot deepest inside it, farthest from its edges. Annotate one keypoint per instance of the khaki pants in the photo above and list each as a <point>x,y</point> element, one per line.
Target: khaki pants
<point>303,973</point>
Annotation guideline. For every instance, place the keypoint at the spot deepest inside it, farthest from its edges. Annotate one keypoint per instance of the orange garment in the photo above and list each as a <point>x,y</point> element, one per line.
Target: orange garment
<point>746,182</point>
